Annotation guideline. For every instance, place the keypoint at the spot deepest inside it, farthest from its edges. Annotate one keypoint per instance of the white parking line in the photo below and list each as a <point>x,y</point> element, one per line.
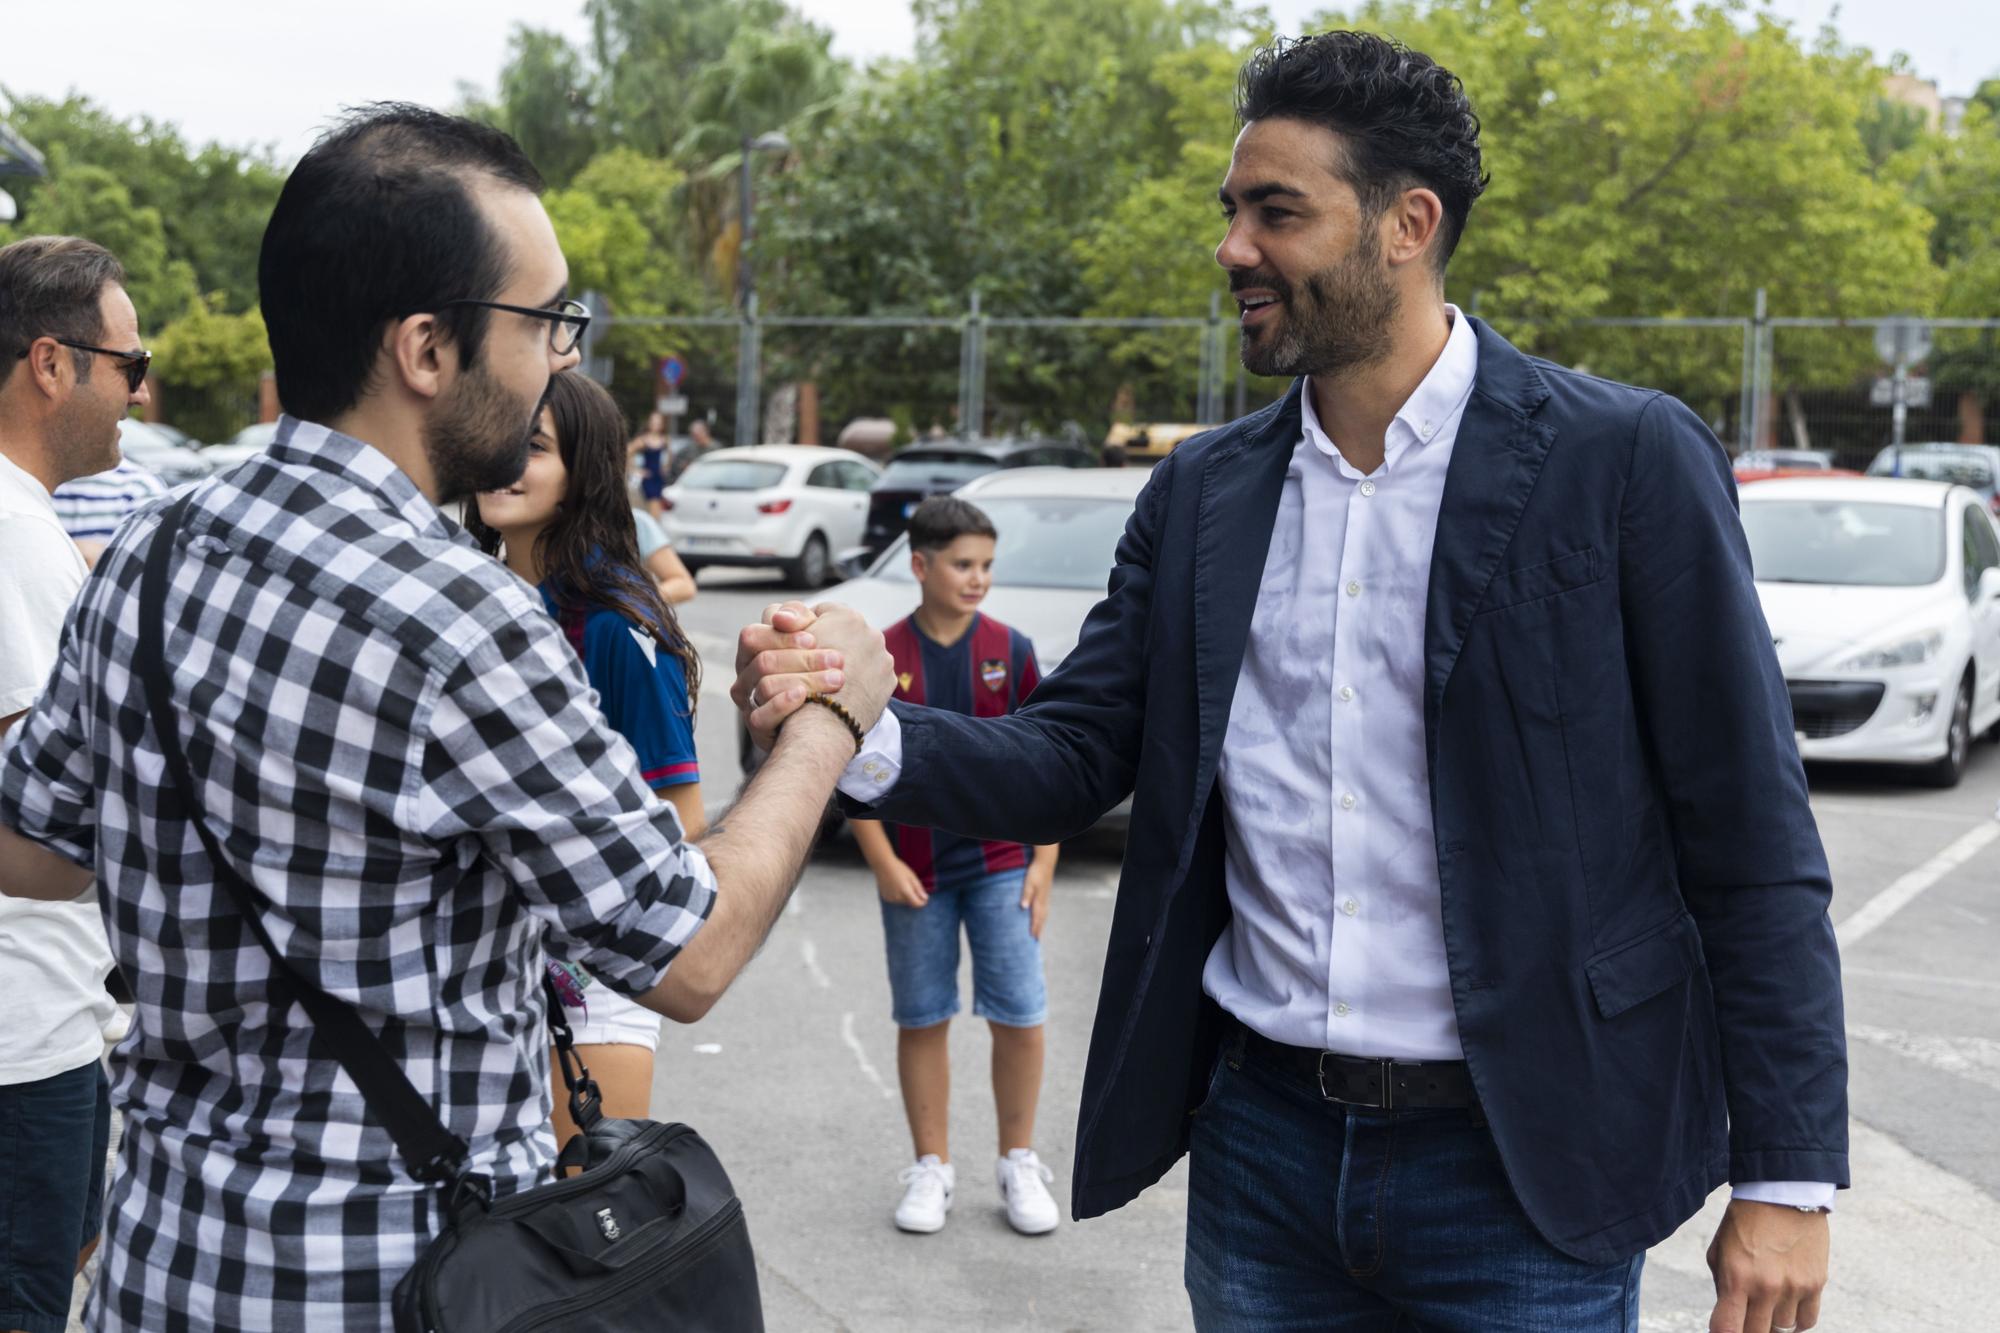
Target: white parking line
<point>1973,1058</point>
<point>810,953</point>
<point>1904,891</point>
<point>861,1056</point>
<point>1918,978</point>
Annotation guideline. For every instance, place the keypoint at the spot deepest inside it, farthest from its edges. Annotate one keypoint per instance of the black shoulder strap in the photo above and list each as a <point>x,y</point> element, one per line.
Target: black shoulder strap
<point>432,1152</point>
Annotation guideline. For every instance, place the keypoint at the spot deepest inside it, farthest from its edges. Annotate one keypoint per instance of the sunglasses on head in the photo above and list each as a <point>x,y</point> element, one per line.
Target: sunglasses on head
<point>133,365</point>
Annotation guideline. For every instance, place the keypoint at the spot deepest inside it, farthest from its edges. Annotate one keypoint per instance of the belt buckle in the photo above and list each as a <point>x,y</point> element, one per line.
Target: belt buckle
<point>1387,1101</point>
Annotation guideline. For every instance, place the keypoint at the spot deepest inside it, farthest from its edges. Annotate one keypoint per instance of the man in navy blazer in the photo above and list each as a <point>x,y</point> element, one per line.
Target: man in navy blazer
<point>1473,925</point>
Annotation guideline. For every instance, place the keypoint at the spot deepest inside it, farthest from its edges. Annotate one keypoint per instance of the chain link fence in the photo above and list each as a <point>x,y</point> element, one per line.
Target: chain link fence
<point>1760,381</point>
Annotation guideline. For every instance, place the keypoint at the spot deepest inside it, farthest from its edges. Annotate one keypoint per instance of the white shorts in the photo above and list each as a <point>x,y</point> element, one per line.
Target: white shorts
<point>614,1020</point>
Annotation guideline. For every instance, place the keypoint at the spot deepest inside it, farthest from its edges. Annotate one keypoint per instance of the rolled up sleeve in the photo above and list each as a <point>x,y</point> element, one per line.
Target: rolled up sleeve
<point>519,759</point>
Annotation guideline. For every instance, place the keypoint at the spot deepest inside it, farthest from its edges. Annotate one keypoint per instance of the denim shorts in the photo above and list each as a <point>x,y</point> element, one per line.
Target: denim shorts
<point>1007,986</point>
<point>53,1137</point>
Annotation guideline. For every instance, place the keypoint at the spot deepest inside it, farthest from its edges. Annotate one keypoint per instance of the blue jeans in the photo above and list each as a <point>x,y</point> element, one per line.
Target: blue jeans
<point>1304,1214</point>
<point>1007,984</point>
<point>53,1137</point>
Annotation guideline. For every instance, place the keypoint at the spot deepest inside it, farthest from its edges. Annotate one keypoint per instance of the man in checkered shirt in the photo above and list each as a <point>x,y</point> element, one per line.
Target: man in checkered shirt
<point>394,744</point>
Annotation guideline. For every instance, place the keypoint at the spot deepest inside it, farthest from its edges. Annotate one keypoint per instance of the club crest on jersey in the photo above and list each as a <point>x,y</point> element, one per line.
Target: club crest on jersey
<point>903,679</point>
<point>993,671</point>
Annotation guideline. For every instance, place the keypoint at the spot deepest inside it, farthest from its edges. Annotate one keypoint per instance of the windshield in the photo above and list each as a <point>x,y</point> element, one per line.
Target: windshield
<point>1845,542</point>
<point>732,474</point>
<point>950,471</point>
<point>1966,469</point>
<point>1057,542</point>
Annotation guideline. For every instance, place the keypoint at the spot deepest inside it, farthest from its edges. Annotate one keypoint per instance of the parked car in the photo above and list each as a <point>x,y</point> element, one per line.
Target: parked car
<point>1746,475</point>
<point>1791,460</point>
<point>144,444</point>
<point>1883,598</point>
<point>1974,465</point>
<point>1059,531</point>
<point>1146,443</point>
<point>175,435</point>
<point>939,467</point>
<point>786,505</point>
<point>245,444</point>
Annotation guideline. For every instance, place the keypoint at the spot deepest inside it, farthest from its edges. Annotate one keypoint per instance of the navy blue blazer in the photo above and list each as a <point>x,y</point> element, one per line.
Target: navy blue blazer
<point>1634,892</point>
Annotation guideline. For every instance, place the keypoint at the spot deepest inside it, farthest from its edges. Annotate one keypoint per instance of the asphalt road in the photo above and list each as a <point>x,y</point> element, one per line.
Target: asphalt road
<point>793,1079</point>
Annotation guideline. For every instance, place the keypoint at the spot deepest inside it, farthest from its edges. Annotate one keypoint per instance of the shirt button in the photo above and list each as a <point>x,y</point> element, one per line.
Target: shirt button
<point>1341,1010</point>
<point>1347,694</point>
<point>1368,488</point>
<point>1347,801</point>
<point>1350,907</point>
<point>1353,589</point>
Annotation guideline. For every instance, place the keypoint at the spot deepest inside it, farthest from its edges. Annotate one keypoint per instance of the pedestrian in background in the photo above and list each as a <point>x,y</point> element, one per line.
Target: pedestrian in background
<point>650,447</point>
<point>936,885</point>
<point>70,368</point>
<point>91,508</point>
<point>562,528</point>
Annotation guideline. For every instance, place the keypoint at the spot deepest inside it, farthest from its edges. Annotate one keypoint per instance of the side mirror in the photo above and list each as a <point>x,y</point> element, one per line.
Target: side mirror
<point>853,564</point>
<point>1989,584</point>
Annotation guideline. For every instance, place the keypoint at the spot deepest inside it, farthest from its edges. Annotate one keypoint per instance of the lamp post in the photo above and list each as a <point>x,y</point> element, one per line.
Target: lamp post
<point>749,351</point>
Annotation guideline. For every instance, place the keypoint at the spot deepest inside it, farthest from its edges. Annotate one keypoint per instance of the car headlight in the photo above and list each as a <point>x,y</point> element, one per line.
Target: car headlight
<point>1904,652</point>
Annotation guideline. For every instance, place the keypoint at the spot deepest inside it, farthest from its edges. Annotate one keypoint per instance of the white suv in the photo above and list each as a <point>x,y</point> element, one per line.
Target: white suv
<point>791,506</point>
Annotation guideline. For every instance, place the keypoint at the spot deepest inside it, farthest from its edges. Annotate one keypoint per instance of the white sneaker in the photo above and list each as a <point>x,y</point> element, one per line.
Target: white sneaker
<point>1024,1184</point>
<point>927,1190</point>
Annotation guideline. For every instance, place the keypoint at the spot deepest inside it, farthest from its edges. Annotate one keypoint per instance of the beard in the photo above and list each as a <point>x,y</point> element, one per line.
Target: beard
<point>83,436</point>
<point>1332,322</point>
<point>477,439</point>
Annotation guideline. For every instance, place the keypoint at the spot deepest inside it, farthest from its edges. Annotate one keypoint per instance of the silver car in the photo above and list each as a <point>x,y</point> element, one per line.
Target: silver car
<point>1059,530</point>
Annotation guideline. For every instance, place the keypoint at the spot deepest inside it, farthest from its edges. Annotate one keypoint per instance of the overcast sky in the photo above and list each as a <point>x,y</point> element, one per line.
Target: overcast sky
<point>253,71</point>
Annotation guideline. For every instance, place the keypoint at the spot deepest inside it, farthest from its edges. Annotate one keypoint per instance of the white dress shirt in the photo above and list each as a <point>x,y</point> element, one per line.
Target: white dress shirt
<point>1336,938</point>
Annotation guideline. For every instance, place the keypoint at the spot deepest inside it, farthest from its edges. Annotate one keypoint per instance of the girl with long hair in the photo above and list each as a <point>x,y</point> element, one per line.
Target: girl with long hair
<point>566,527</point>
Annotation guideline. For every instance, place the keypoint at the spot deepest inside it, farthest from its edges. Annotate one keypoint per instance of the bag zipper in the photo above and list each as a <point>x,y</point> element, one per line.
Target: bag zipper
<point>695,1246</point>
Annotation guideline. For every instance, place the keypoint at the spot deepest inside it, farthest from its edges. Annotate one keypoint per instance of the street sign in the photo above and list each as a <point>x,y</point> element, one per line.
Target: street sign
<point>672,371</point>
<point>1916,391</point>
<point>1904,341</point>
<point>671,405</point>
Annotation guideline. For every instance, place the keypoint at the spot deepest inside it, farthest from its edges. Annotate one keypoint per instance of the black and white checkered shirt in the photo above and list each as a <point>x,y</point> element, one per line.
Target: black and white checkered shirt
<point>397,746</point>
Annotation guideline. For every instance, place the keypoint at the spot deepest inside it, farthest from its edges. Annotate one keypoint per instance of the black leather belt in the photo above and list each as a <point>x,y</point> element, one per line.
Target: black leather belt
<point>1355,1080</point>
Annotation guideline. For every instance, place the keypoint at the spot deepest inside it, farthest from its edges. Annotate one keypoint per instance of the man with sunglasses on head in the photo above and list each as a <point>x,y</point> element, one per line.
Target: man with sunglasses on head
<point>393,756</point>
<point>70,368</point>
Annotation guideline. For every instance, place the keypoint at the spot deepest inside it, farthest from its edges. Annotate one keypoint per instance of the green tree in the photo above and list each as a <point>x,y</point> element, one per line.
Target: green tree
<point>973,167</point>
<point>212,202</point>
<point>1958,179</point>
<point>209,364</point>
<point>91,202</point>
<point>548,96</point>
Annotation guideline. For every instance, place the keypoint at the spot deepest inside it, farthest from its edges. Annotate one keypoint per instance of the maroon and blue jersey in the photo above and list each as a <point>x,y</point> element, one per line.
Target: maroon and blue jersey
<point>640,686</point>
<point>987,673</point>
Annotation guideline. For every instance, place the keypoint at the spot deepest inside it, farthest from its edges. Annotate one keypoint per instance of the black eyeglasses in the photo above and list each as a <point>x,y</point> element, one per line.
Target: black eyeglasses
<point>133,364</point>
<point>567,320</point>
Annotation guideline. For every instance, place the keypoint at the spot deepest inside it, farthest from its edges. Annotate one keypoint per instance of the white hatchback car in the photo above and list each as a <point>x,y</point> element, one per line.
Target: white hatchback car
<point>1883,598</point>
<point>787,505</point>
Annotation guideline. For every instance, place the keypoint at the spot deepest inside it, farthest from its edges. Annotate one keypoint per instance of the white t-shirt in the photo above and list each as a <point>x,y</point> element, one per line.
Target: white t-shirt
<point>53,958</point>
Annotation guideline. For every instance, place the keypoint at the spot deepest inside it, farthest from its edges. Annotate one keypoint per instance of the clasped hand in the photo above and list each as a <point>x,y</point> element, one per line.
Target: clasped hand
<point>798,650</point>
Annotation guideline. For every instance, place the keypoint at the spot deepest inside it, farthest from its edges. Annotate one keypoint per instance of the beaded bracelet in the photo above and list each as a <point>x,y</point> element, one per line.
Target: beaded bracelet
<point>839,710</point>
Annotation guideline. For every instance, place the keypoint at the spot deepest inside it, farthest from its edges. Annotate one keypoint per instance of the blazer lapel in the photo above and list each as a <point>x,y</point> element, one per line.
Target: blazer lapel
<point>1240,487</point>
<point>1494,464</point>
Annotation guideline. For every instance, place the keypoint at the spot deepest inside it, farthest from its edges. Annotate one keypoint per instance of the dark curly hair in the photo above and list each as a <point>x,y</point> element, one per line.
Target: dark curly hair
<point>1403,119</point>
<point>590,550</point>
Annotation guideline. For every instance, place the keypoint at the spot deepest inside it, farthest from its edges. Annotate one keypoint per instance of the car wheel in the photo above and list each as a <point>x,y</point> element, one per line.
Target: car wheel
<point>809,570</point>
<point>1947,771</point>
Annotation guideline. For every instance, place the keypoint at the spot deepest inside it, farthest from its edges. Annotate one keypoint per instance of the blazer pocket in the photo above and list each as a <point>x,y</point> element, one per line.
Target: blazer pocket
<point>1637,970</point>
<point>1511,587</point>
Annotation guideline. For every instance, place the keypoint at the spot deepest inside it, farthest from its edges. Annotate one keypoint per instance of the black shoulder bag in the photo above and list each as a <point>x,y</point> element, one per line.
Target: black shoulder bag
<point>650,1235</point>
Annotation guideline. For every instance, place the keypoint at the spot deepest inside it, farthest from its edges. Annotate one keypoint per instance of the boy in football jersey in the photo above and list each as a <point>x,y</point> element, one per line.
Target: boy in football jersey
<point>934,883</point>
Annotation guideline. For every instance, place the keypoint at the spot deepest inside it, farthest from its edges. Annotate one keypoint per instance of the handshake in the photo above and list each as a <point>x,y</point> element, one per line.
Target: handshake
<point>796,651</point>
